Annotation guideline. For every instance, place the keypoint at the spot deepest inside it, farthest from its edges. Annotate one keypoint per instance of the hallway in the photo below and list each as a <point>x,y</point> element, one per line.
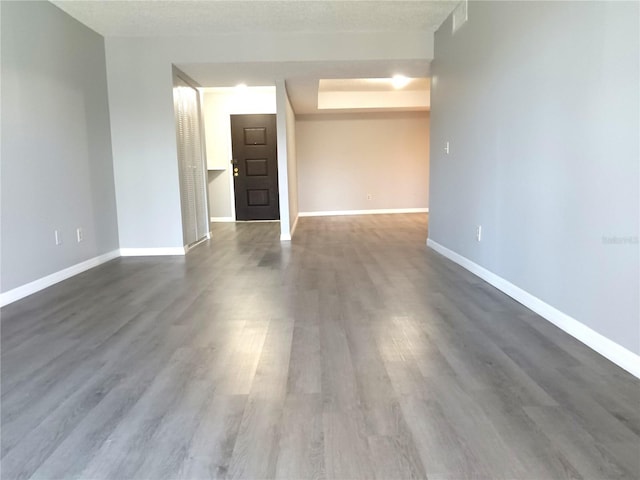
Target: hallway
<point>352,352</point>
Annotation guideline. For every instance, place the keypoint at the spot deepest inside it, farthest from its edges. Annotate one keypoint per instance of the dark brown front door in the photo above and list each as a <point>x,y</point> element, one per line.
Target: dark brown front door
<point>255,167</point>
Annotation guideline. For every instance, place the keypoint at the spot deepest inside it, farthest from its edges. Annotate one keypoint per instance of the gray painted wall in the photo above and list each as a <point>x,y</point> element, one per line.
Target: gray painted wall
<point>142,124</point>
<point>56,147</point>
<point>144,146</point>
<point>540,102</point>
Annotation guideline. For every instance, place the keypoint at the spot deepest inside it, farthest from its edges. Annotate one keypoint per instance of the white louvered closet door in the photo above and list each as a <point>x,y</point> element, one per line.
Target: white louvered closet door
<point>200,185</point>
<point>191,162</point>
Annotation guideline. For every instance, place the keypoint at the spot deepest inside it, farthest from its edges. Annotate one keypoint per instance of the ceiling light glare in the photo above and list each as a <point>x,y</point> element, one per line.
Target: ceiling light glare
<point>399,81</point>
<point>241,87</point>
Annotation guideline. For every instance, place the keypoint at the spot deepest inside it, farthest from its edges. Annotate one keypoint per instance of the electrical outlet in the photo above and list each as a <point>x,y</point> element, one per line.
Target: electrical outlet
<point>369,196</point>
<point>58,237</point>
<point>479,233</point>
<point>79,234</point>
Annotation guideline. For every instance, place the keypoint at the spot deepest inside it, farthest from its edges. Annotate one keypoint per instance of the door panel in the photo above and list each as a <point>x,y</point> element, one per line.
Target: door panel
<point>190,161</point>
<point>255,163</point>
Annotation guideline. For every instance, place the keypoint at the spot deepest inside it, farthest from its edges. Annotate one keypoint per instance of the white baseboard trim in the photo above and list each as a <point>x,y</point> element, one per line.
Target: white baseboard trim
<point>619,355</point>
<point>363,212</point>
<point>258,221</point>
<point>44,282</point>
<point>152,252</point>
<point>222,219</point>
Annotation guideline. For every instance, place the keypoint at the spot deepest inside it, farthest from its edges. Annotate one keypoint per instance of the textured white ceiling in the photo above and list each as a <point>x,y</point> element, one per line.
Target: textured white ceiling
<point>166,18</point>
<point>204,17</point>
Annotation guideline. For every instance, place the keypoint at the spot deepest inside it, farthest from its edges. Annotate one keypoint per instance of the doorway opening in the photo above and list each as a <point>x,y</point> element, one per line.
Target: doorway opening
<point>252,194</point>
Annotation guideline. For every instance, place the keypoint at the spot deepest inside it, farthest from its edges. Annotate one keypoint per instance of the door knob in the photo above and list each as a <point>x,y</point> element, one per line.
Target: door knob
<point>235,170</point>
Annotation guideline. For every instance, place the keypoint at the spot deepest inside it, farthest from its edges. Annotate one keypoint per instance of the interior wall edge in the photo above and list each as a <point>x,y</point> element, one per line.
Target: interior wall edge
<point>283,178</point>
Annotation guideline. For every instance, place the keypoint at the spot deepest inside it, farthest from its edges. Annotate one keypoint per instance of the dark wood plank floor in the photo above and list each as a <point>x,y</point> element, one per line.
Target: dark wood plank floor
<point>353,352</point>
